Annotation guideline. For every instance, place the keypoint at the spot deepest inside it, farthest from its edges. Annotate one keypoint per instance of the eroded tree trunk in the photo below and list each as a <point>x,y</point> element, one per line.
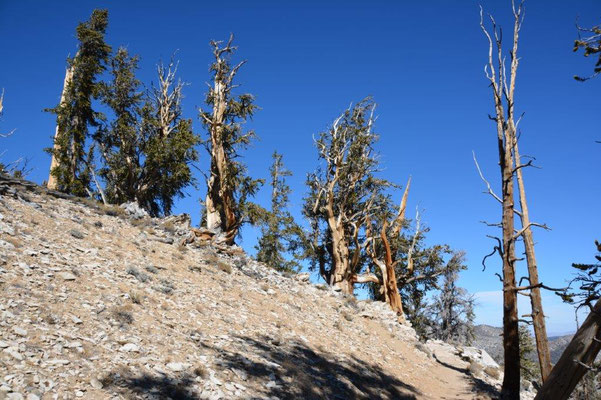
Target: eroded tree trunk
<point>503,94</point>
<point>576,359</point>
<point>341,275</point>
<point>538,317</point>
<point>54,163</point>
<point>511,379</point>
<point>219,201</point>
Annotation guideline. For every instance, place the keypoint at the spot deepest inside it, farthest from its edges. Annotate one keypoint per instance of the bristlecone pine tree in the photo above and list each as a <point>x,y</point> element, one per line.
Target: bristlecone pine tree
<point>530,370</point>
<point>344,194</point>
<point>511,167</point>
<point>69,170</point>
<point>226,207</point>
<point>280,234</point>
<point>147,149</point>
<point>453,307</point>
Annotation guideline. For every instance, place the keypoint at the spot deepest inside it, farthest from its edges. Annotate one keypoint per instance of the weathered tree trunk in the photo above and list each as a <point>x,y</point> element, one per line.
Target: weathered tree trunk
<point>576,359</point>
<point>391,291</point>
<point>341,276</point>
<point>52,184</point>
<point>538,317</point>
<point>511,380</point>
<point>219,201</point>
<point>503,93</point>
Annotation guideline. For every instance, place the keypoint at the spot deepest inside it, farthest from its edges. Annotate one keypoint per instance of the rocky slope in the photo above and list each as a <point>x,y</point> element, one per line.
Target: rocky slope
<point>490,339</point>
<point>97,304</point>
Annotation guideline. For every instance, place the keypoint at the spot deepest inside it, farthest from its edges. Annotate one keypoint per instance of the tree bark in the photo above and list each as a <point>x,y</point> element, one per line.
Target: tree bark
<point>576,359</point>
<point>54,163</point>
<point>219,201</point>
<point>538,317</point>
<point>511,380</point>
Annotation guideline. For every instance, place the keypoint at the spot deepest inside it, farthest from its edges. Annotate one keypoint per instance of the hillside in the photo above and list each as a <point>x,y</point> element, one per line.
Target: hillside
<point>100,304</point>
<point>490,339</point>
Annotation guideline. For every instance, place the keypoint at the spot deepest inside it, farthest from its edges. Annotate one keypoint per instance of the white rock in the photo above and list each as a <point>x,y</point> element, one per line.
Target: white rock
<point>67,276</point>
<point>129,347</point>
<point>176,366</point>
<point>95,383</point>
<point>19,331</point>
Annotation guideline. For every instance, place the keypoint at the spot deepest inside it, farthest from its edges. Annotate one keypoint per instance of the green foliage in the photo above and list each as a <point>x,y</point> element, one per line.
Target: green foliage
<point>587,282</point>
<point>75,115</point>
<point>453,308</point>
<point>229,186</point>
<point>148,147</point>
<point>530,369</point>
<point>591,45</point>
<point>344,184</point>
<point>280,234</point>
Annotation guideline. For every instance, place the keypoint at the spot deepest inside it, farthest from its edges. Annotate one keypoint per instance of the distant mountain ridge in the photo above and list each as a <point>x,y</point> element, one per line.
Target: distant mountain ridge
<point>490,339</point>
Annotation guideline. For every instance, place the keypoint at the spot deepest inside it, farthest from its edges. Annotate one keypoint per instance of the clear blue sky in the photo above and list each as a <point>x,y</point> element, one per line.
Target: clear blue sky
<point>421,61</point>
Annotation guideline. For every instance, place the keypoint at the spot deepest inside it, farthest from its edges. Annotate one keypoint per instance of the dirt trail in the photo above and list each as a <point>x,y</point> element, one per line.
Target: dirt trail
<point>96,305</point>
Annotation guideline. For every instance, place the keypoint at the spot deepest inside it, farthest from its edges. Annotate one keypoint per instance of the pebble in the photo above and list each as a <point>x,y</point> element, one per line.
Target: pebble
<point>129,347</point>
<point>176,366</point>
<point>19,331</point>
<point>95,383</point>
<point>67,276</point>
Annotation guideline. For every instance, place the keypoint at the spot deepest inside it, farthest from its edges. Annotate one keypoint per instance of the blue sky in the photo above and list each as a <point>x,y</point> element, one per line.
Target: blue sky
<point>421,61</point>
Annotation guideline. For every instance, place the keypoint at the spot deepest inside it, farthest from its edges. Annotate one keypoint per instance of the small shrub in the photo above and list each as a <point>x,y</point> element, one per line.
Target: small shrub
<point>112,211</point>
<point>225,267</point>
<point>347,315</point>
<point>123,316</point>
<point>141,276</point>
<point>201,371</point>
<point>136,297</point>
<point>152,269</point>
<point>321,287</point>
<point>165,287</point>
<point>493,372</point>
<point>475,369</point>
<point>169,226</point>
<point>195,268</point>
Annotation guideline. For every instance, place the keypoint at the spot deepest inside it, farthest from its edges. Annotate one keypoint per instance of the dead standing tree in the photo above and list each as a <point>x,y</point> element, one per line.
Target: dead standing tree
<point>504,111</point>
<point>503,94</point>
<point>227,184</point>
<point>385,260</point>
<point>52,182</point>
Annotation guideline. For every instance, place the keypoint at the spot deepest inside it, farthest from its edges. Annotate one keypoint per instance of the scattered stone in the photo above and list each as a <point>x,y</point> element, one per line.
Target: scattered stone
<point>76,234</point>
<point>96,384</point>
<point>176,366</point>
<point>19,331</point>
<point>67,276</point>
<point>133,210</point>
<point>129,347</point>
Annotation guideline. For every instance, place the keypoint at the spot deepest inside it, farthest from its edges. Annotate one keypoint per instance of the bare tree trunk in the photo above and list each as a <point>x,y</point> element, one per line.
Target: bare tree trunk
<point>538,317</point>
<point>219,201</point>
<point>576,360</point>
<point>506,137</point>
<point>52,184</point>
<point>511,379</point>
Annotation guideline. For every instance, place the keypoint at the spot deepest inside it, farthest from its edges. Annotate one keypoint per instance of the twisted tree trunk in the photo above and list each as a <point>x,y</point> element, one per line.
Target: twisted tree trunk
<point>576,360</point>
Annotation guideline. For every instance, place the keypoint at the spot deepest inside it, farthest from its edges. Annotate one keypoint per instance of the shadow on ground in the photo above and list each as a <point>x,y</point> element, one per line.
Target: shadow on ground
<point>478,385</point>
<point>289,370</point>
